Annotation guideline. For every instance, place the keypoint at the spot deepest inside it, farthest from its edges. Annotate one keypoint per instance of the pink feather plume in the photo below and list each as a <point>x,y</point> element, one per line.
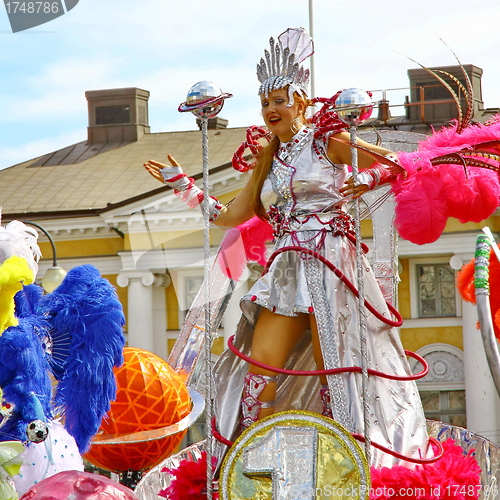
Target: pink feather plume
<point>421,211</point>
<point>430,194</point>
<point>469,137</point>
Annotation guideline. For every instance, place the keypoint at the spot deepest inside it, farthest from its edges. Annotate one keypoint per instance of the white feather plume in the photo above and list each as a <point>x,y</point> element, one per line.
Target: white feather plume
<point>18,239</point>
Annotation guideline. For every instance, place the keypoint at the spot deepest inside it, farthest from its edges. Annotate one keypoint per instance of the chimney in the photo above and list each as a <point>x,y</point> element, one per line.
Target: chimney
<point>117,115</point>
<point>384,112</point>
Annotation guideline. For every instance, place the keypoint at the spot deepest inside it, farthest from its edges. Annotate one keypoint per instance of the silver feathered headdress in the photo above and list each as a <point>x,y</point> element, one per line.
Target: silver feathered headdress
<point>281,66</point>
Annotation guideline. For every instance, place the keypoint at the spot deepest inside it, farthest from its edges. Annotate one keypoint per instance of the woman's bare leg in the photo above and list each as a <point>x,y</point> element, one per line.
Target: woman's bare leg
<point>274,338</point>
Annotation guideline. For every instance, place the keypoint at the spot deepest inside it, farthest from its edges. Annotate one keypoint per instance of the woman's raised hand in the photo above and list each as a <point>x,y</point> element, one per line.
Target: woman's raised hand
<point>164,173</point>
<point>351,189</point>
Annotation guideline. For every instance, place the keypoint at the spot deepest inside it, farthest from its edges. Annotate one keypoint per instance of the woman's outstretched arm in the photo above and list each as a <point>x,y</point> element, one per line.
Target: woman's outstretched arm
<point>239,211</point>
<point>340,152</point>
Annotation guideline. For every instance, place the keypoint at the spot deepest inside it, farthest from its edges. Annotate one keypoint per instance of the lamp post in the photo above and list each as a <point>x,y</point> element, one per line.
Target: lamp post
<point>54,275</point>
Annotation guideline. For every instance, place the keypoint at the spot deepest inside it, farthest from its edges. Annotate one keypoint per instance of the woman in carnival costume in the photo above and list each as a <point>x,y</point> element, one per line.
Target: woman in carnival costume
<point>300,314</point>
<point>298,185</point>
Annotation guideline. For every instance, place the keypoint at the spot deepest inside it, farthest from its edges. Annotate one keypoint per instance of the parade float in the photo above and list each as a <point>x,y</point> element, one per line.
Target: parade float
<point>297,453</point>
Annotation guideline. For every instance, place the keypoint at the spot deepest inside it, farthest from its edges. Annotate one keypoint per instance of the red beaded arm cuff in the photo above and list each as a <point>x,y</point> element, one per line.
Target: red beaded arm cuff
<point>185,188</point>
<point>377,175</point>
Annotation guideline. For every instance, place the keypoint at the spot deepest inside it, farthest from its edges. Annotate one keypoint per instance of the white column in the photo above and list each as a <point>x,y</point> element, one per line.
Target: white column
<point>160,315</point>
<point>140,307</point>
<point>481,397</point>
<point>232,315</point>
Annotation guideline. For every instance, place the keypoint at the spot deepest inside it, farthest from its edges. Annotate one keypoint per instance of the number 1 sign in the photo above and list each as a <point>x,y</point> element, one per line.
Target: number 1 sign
<point>288,455</point>
<point>295,455</point>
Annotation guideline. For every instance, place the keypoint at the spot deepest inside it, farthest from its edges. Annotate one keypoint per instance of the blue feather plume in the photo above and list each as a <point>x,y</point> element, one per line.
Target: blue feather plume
<point>24,368</point>
<point>86,321</point>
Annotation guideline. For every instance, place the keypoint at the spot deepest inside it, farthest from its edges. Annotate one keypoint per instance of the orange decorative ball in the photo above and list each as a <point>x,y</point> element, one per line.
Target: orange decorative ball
<point>150,395</point>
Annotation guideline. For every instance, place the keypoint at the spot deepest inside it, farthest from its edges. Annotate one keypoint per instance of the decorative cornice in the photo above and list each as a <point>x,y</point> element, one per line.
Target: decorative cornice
<point>106,265</point>
<point>166,203</point>
<point>141,222</point>
<point>77,228</point>
<point>432,322</point>
<point>447,244</point>
<point>159,261</point>
<point>166,212</point>
<point>163,210</point>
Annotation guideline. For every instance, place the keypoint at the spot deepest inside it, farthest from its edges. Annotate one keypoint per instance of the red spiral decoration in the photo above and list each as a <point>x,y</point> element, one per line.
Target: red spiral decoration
<point>254,133</point>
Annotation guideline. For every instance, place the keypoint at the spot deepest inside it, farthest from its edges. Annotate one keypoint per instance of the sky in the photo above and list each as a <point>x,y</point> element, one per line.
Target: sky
<point>166,46</point>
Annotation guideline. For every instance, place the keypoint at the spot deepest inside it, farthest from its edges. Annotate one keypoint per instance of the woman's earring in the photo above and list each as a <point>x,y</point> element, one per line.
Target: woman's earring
<point>295,125</point>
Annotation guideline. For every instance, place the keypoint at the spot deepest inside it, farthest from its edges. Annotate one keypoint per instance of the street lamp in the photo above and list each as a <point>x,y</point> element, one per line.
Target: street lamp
<point>54,275</point>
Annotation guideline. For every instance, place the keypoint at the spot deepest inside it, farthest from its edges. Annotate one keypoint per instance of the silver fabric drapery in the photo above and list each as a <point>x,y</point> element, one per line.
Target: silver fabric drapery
<point>303,187</point>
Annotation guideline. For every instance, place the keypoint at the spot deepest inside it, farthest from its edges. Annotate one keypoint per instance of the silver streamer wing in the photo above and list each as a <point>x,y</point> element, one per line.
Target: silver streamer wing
<point>187,354</point>
<point>156,480</point>
<point>385,258</point>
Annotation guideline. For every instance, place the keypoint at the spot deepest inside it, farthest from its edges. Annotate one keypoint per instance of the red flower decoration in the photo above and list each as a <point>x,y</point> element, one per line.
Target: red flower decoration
<point>189,481</point>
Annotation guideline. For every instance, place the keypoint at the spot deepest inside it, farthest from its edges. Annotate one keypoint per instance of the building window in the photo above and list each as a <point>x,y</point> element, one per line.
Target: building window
<point>436,290</point>
<point>193,285</point>
<point>446,406</point>
<point>188,283</point>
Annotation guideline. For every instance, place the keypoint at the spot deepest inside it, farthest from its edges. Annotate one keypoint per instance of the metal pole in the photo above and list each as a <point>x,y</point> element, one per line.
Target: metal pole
<point>54,255</point>
<point>311,33</point>
<point>481,283</point>
<point>208,334</point>
<point>362,310</point>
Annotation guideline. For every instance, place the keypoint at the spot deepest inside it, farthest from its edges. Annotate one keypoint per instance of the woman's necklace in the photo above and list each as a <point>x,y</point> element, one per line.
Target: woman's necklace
<point>288,151</point>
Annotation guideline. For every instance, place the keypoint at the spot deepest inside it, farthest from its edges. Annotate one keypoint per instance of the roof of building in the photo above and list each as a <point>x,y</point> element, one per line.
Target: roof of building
<point>64,181</point>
